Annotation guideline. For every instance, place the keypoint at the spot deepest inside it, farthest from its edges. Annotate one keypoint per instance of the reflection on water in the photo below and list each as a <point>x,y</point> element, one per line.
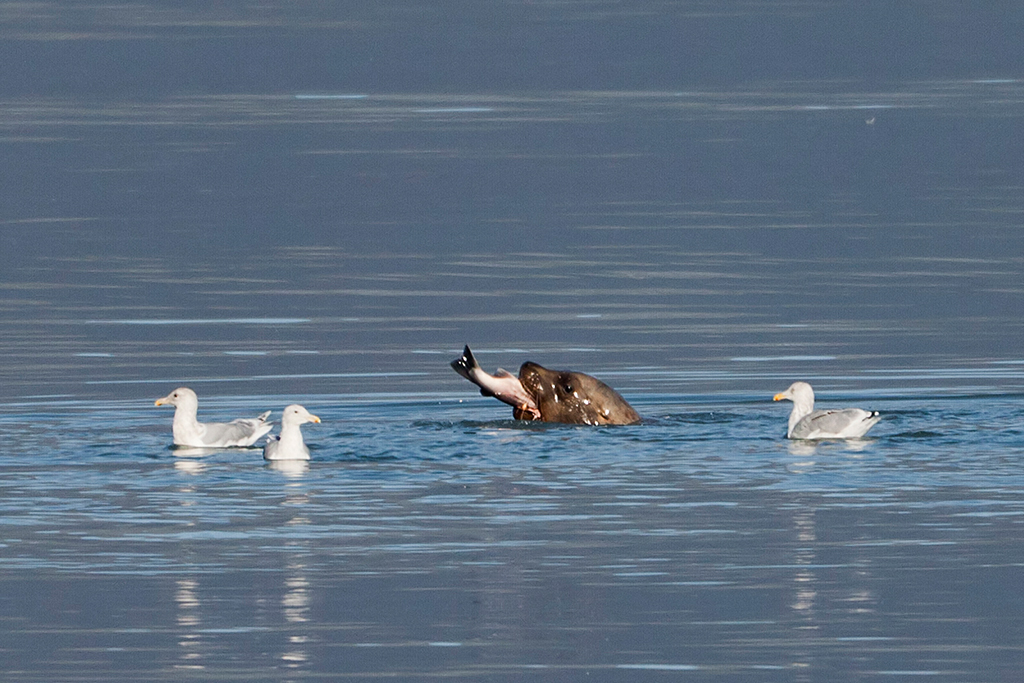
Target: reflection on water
<point>295,606</point>
<point>190,466</point>
<point>420,542</point>
<point>290,468</point>
<point>186,598</point>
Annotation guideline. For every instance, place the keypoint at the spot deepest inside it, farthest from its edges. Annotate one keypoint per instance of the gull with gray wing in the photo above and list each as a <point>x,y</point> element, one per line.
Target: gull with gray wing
<point>188,431</point>
<point>807,423</point>
<point>289,444</point>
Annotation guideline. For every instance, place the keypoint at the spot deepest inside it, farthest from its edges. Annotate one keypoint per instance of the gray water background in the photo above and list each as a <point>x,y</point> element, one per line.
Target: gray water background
<point>697,202</point>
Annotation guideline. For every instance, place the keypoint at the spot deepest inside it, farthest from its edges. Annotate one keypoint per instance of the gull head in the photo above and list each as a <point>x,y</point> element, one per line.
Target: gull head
<point>798,392</point>
<point>297,415</point>
<point>182,396</point>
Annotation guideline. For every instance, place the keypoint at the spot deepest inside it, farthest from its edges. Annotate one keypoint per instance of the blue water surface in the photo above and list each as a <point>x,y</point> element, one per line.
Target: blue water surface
<point>696,202</point>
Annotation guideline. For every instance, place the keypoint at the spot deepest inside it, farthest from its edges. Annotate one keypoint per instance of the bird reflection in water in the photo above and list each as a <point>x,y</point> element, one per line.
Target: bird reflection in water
<point>186,598</point>
<point>290,468</point>
<point>190,466</point>
<point>804,560</point>
<point>295,607</point>
<point>188,460</point>
<point>296,599</point>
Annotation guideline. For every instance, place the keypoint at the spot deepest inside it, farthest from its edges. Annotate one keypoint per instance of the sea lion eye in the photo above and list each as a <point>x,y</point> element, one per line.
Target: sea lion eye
<point>567,387</point>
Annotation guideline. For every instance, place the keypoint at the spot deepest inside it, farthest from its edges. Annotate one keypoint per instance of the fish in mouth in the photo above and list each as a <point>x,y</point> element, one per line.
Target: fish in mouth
<point>550,395</point>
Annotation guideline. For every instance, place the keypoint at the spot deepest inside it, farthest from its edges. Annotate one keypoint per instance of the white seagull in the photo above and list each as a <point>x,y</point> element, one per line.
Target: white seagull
<point>289,445</point>
<point>190,432</point>
<point>807,423</point>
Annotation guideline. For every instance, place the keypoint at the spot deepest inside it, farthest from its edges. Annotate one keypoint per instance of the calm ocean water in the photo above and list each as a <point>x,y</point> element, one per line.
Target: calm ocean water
<point>697,205</point>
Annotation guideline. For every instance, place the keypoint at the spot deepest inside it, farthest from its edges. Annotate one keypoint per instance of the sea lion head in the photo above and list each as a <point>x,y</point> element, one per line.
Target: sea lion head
<point>574,398</point>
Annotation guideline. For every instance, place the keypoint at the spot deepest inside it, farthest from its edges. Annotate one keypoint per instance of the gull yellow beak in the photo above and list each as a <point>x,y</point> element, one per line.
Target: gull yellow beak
<point>779,397</point>
<point>315,419</point>
<point>159,402</point>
